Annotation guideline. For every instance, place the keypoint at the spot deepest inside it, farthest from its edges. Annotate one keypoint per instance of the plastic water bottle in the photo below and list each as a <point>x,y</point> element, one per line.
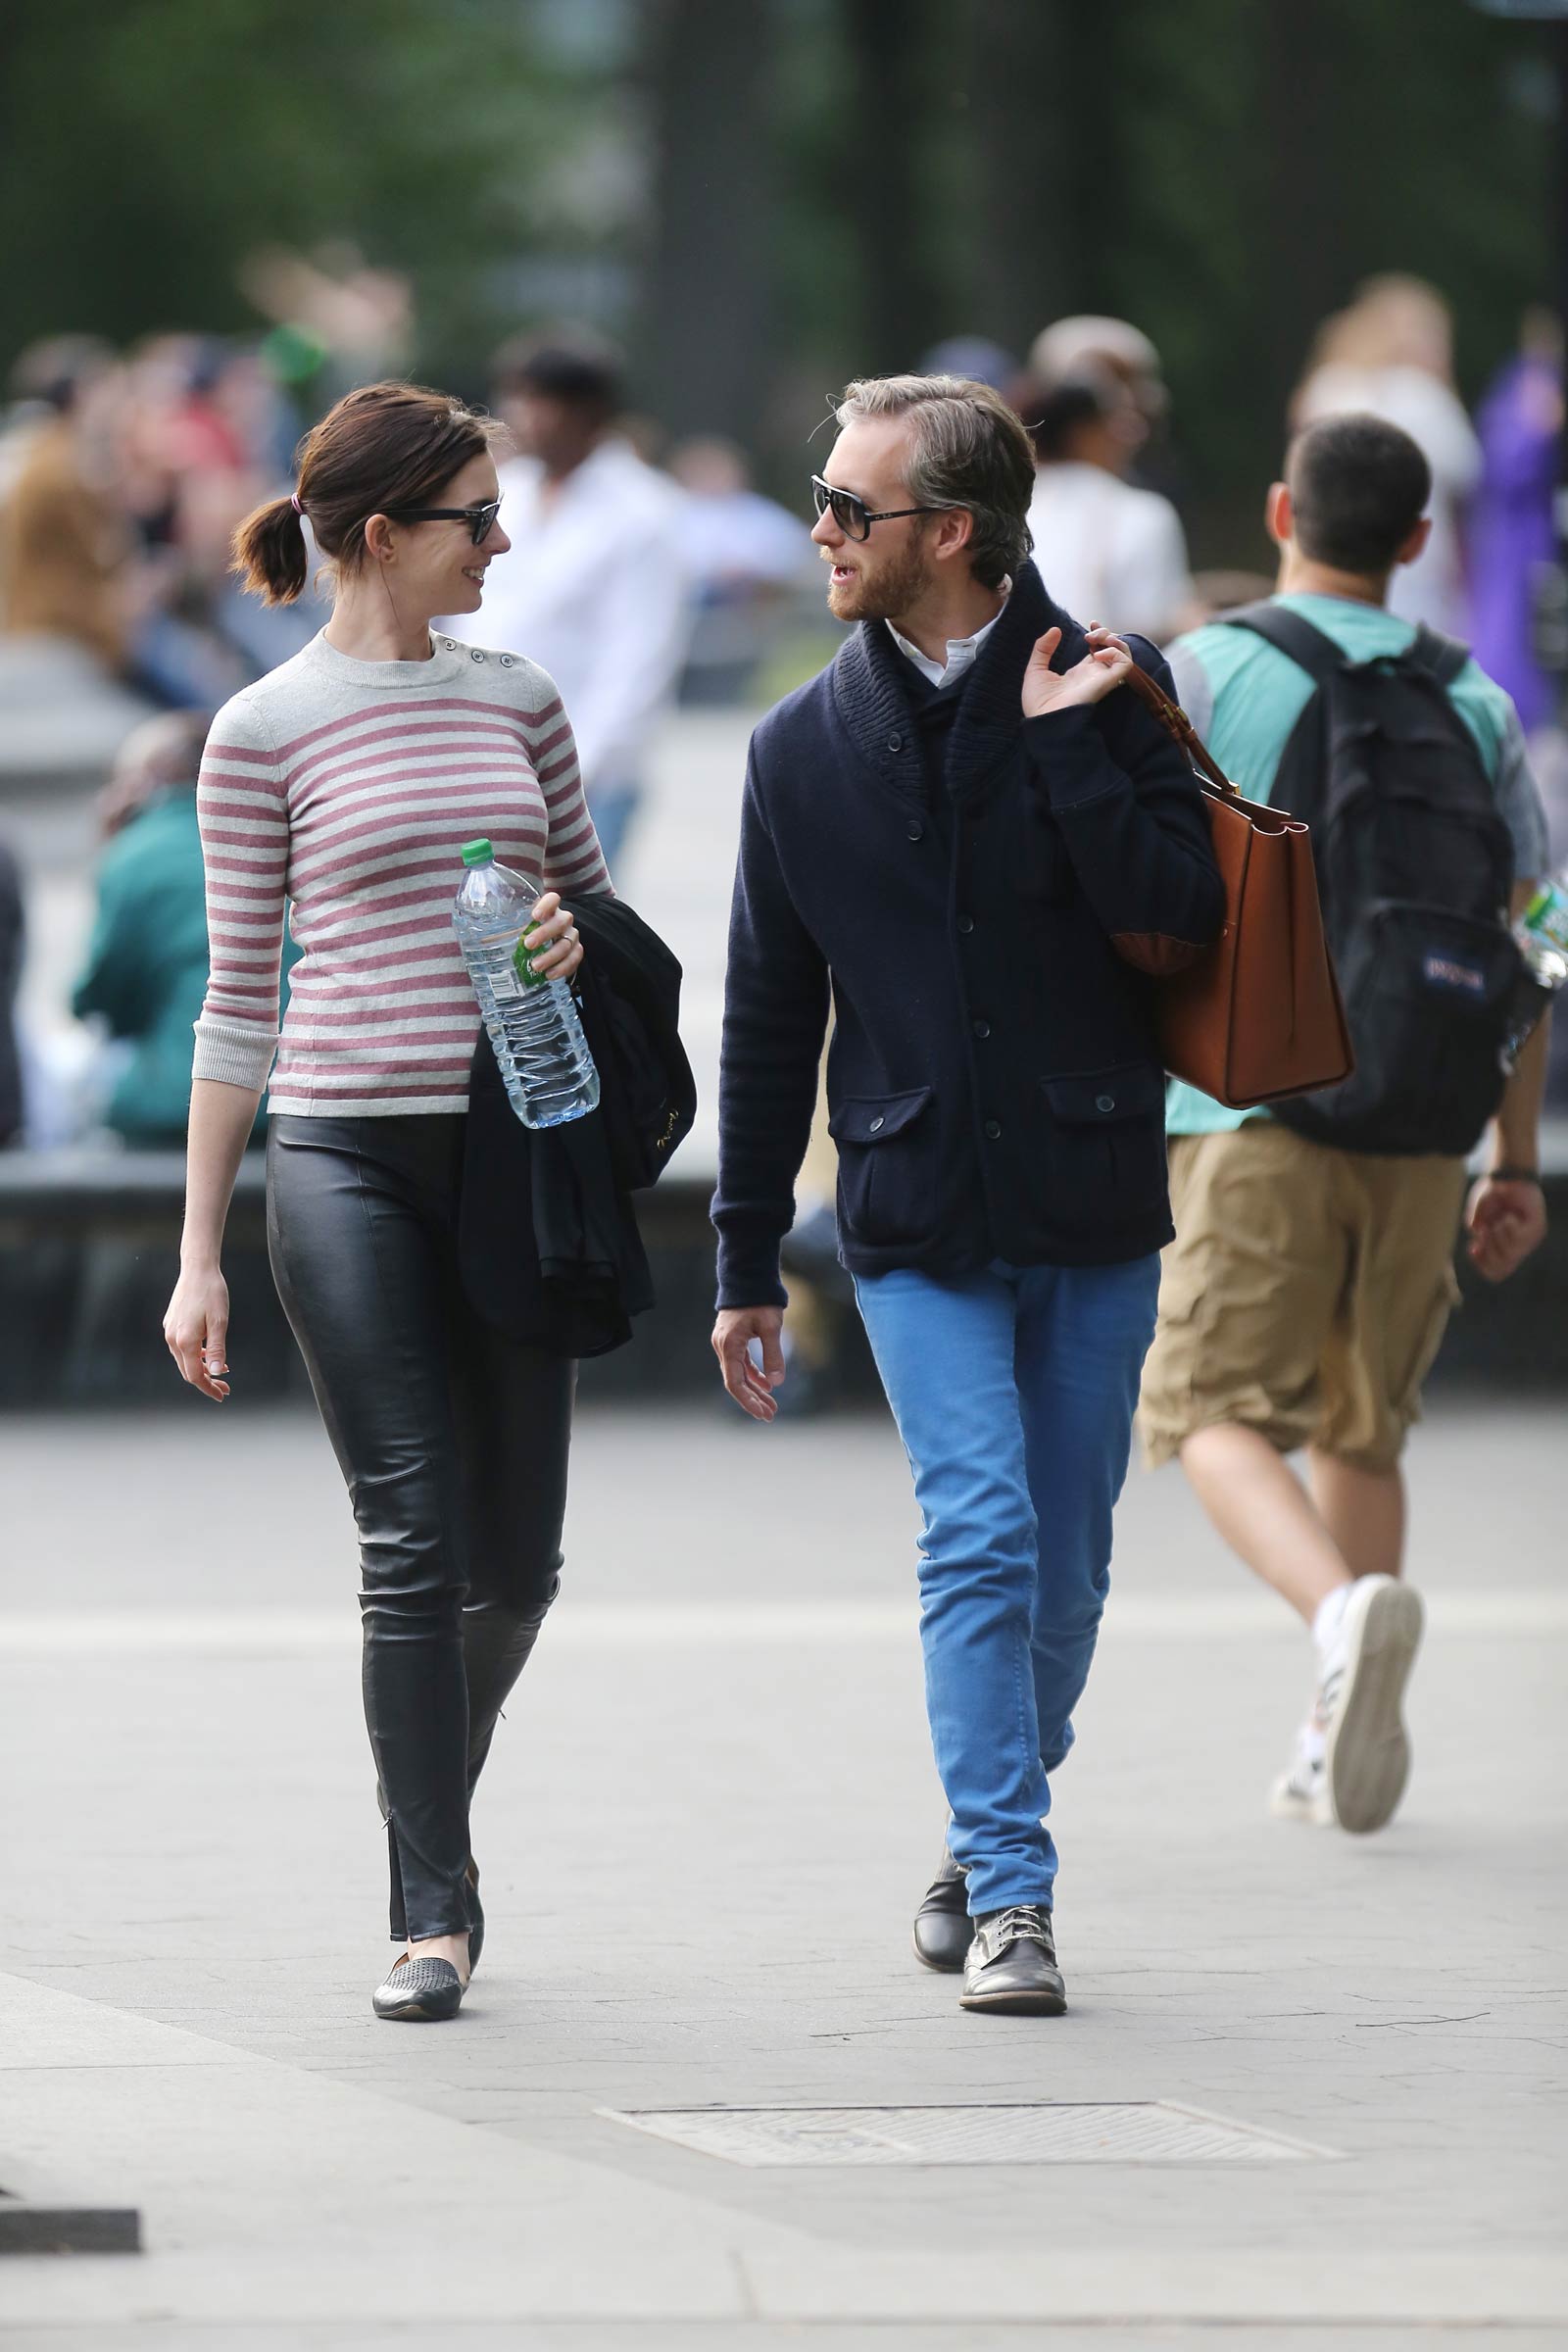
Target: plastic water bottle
<point>1541,933</point>
<point>1541,936</point>
<point>533,1022</point>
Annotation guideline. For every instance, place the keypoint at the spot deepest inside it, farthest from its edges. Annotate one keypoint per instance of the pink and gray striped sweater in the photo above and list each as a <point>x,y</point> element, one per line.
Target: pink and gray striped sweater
<point>341,792</point>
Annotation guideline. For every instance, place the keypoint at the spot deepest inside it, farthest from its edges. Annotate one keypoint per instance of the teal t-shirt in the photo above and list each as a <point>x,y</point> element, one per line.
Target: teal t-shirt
<point>1244,696</point>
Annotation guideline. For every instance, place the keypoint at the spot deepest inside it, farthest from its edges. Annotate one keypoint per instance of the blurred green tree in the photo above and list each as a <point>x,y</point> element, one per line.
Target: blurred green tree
<point>1223,172</point>
<point>770,197</point>
<point>705,317</point>
<point>146,146</point>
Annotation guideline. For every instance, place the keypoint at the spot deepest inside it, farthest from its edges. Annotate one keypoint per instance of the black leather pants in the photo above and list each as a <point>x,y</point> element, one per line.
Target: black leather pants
<point>453,1440</point>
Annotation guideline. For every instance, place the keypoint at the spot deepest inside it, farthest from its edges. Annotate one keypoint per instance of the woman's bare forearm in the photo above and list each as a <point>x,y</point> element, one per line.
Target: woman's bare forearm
<point>222,1117</point>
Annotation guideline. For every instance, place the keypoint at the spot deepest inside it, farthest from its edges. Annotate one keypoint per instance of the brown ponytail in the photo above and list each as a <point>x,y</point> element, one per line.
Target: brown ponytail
<point>382,447</point>
<point>269,552</point>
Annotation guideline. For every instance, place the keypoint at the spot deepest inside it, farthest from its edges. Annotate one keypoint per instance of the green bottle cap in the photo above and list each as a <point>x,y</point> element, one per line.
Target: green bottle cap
<point>478,853</point>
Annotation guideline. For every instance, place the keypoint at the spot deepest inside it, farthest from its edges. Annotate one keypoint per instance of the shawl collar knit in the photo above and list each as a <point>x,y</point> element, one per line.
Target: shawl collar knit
<point>871,695</point>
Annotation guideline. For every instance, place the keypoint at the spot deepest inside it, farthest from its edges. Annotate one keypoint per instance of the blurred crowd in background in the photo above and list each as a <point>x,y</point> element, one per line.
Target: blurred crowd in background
<point>645,574</point>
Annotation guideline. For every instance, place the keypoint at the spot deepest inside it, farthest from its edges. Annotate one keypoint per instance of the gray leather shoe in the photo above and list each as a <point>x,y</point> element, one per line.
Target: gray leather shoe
<point>941,1929</point>
<point>418,1991</point>
<point>1011,1965</point>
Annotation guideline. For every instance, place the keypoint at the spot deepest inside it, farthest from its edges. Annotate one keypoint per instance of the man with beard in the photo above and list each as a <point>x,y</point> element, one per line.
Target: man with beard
<point>980,848</point>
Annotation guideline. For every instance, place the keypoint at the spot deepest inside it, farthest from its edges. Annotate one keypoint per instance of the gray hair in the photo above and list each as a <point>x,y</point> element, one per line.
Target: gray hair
<point>970,449</point>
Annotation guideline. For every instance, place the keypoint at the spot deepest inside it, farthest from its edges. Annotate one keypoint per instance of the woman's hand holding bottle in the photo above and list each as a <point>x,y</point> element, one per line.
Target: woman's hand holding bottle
<point>555,950</point>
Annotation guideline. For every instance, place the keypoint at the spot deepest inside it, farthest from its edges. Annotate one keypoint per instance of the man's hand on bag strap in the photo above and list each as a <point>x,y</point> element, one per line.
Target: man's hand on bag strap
<point>1101,671</point>
<point>1171,716</point>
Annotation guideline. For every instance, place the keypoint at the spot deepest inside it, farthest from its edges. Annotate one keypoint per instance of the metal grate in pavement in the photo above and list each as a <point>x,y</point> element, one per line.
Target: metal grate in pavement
<point>1143,2131</point>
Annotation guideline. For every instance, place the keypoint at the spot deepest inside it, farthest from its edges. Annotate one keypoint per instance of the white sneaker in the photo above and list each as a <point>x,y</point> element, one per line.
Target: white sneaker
<point>1366,1749</point>
<point>1303,1794</point>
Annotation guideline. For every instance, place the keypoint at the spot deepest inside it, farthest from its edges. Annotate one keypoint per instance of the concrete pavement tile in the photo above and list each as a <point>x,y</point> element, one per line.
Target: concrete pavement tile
<point>688,1502</point>
<point>1218,2288</point>
<point>793,2335</point>
<point>700,1857</point>
<point>281,2195</point>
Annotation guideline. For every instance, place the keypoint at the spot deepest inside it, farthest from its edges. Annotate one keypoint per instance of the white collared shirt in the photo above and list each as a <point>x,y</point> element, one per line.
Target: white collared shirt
<point>596,588</point>
<point>962,652</point>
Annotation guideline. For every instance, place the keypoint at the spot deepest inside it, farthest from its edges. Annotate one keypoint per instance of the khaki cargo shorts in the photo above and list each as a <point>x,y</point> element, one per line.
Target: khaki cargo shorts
<point>1304,1296</point>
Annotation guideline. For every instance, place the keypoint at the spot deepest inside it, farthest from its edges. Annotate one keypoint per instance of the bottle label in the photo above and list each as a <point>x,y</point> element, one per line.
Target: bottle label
<point>506,987</point>
<point>526,976</point>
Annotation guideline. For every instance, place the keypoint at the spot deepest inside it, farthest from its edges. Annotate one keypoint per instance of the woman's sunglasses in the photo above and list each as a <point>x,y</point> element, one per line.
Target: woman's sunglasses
<point>479,520</point>
<point>851,513</point>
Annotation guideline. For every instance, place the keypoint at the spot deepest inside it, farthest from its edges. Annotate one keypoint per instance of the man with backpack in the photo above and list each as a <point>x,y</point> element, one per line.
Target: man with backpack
<point>1310,1280</point>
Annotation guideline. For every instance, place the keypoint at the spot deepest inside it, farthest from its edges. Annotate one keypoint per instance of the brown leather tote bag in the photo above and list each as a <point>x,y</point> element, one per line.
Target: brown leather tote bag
<point>1257,1015</point>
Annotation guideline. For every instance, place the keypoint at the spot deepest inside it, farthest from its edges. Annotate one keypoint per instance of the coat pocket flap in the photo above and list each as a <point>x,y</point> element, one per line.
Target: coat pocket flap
<point>872,1119</point>
<point>1135,1089</point>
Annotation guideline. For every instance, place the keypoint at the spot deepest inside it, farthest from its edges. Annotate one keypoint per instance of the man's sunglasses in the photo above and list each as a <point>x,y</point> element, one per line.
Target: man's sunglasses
<point>479,520</point>
<point>851,513</point>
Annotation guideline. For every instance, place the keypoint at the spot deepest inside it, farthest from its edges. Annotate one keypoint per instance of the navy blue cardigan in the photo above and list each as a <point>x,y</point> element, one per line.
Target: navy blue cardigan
<point>994,1084</point>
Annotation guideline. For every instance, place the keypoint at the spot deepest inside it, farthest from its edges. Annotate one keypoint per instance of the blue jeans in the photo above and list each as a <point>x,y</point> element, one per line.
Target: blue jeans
<point>1013,1391</point>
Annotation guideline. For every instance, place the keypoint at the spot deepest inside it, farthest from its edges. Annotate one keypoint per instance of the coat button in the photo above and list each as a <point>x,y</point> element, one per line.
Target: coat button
<point>993,1130</point>
<point>878,1122</point>
<point>965,924</point>
<point>1104,1102</point>
<point>914,829</point>
<point>982,1028</point>
<point>895,743</point>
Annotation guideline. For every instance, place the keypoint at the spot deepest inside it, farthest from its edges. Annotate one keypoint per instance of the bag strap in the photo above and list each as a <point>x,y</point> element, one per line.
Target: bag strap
<point>1312,648</point>
<point>1442,658</point>
<point>1175,721</point>
<point>1309,648</point>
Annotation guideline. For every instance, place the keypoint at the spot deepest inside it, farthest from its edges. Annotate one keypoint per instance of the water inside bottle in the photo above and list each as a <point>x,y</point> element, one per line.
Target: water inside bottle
<point>533,1023</point>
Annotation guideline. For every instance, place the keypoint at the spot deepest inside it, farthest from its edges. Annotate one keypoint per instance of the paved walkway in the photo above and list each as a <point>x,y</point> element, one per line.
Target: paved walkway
<point>702,1833</point>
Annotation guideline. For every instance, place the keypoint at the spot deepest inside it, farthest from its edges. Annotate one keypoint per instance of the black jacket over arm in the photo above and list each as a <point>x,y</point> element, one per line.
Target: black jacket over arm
<point>548,1245</point>
<point>993,1083</point>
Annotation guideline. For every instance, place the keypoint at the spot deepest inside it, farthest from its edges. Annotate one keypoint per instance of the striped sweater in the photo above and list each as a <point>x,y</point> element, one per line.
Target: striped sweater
<point>339,792</point>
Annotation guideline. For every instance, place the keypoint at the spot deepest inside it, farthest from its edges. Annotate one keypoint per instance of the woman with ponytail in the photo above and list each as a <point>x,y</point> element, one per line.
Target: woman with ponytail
<point>335,793</point>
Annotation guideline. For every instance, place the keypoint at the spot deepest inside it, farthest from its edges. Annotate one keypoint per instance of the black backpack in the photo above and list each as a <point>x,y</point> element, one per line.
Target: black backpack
<point>1415,868</point>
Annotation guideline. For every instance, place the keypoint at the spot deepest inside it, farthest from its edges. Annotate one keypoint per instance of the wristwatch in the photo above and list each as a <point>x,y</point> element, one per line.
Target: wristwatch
<point>1512,1175</point>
